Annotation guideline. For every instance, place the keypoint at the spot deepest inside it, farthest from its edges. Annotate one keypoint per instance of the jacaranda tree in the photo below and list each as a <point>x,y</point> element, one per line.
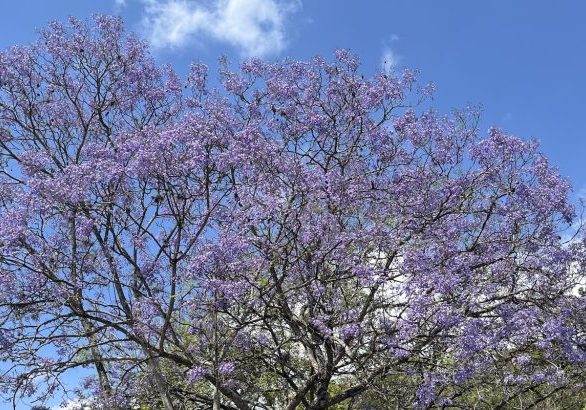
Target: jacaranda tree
<point>299,237</point>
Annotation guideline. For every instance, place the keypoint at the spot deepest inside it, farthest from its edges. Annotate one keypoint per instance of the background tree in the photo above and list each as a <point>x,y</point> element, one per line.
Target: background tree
<point>301,237</point>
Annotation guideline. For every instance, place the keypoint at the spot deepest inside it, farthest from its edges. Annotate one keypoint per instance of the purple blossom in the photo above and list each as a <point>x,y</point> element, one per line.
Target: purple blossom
<point>196,374</point>
<point>225,368</point>
<point>299,225</point>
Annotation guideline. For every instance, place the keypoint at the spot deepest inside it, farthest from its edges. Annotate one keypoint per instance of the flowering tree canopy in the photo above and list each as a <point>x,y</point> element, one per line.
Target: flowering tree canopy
<point>301,237</point>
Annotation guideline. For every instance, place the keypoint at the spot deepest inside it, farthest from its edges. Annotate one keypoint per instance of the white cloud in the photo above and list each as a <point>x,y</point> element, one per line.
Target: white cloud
<point>120,3</point>
<point>254,27</point>
<point>390,59</point>
<point>74,405</point>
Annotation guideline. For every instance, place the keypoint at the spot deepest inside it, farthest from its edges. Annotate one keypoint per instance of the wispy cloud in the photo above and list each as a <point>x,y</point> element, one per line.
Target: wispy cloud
<point>120,3</point>
<point>389,58</point>
<point>254,27</point>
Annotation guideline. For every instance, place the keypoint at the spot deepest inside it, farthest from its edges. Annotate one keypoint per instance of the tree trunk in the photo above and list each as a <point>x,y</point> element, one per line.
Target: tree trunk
<point>216,405</point>
<point>160,382</point>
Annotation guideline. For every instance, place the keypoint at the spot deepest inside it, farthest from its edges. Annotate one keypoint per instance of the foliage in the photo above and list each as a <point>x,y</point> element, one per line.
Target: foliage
<point>300,237</point>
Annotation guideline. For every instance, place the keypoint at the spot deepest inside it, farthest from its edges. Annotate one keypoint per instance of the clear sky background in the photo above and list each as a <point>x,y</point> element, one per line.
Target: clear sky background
<point>524,61</point>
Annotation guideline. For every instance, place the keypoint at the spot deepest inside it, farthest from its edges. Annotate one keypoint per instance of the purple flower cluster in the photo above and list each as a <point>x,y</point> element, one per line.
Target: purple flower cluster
<point>300,226</point>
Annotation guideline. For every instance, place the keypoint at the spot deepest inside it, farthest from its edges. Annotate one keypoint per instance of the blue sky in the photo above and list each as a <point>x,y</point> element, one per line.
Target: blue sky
<point>524,61</point>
